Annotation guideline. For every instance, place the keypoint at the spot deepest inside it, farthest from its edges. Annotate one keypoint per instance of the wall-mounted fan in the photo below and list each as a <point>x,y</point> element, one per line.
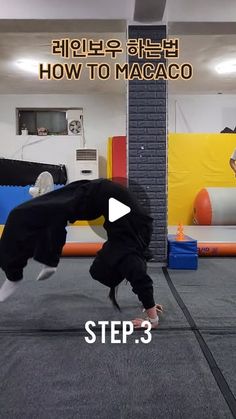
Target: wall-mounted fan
<point>74,127</point>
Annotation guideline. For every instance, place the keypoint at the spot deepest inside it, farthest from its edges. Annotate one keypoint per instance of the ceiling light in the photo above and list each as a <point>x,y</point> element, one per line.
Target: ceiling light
<point>28,65</point>
<point>227,67</point>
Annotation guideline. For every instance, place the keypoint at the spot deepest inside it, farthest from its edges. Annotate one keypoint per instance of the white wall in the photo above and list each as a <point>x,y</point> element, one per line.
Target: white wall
<point>104,116</point>
<point>201,113</point>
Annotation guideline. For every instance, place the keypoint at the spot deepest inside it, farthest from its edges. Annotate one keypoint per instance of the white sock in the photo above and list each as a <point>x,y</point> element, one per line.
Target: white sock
<point>7,289</point>
<point>46,272</point>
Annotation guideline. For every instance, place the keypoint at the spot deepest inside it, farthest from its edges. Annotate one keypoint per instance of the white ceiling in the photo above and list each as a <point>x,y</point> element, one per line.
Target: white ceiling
<point>37,46</point>
<point>176,10</point>
<point>204,52</point>
<point>206,28</point>
<point>70,9</point>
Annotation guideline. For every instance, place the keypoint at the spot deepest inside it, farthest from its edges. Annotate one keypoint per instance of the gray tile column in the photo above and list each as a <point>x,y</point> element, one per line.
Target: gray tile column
<point>147,140</point>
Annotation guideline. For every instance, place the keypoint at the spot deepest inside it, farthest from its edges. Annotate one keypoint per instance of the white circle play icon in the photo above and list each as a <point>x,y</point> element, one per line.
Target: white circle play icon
<point>117,210</point>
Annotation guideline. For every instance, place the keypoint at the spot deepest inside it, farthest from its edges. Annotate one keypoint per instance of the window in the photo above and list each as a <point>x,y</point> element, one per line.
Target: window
<point>52,120</point>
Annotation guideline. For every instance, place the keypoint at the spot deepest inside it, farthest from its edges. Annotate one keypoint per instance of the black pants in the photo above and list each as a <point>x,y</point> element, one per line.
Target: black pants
<point>30,231</point>
<point>36,229</point>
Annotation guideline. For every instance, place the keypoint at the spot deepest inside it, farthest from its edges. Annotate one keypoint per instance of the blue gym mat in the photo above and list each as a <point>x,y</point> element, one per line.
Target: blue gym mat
<point>11,196</point>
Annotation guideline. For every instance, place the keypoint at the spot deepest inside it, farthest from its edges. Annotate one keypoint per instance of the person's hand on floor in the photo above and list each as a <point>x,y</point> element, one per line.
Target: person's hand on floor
<point>138,324</point>
<point>159,308</point>
<point>152,313</point>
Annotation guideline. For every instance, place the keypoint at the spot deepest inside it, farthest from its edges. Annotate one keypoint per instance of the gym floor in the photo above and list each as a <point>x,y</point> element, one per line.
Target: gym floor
<point>188,370</point>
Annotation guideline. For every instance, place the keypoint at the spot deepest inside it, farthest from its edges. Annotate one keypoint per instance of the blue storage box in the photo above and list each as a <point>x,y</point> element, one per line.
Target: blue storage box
<point>188,245</point>
<point>182,254</point>
<point>183,261</point>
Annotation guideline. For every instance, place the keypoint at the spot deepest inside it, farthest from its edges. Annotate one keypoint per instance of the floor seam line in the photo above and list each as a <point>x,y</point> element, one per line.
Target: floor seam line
<point>216,371</point>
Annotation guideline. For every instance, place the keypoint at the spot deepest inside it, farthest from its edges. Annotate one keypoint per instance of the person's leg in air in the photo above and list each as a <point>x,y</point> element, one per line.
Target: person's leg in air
<point>44,254</point>
<point>13,263</point>
<point>28,225</point>
<point>22,238</point>
<point>16,247</point>
<point>49,248</point>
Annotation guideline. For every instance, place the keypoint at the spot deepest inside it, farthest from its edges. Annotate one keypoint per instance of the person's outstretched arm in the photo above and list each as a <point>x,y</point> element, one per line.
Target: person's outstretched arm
<point>133,268</point>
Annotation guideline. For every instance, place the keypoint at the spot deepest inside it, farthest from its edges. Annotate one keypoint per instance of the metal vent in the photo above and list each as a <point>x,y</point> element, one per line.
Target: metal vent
<point>86,154</point>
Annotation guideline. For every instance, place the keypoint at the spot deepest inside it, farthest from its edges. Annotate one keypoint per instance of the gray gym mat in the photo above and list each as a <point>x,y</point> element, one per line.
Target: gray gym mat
<point>63,377</point>
<point>71,297</point>
<point>223,348</point>
<point>213,298</point>
<point>47,370</point>
<point>210,292</point>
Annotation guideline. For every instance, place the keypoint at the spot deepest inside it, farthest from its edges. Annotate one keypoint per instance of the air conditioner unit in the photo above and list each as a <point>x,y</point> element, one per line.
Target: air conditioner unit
<point>86,166</point>
<point>74,121</point>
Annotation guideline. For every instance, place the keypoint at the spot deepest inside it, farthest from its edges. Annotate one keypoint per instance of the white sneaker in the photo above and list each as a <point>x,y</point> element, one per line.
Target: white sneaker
<point>8,288</point>
<point>46,272</point>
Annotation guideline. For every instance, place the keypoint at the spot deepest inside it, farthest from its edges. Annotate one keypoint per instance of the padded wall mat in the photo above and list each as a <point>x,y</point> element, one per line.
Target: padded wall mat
<point>22,173</point>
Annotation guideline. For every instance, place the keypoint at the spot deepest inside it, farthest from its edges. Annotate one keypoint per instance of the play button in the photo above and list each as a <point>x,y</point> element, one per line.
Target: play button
<point>117,210</point>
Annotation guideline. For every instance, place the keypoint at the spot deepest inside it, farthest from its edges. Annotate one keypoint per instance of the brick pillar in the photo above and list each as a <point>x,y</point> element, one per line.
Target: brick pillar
<point>147,140</point>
